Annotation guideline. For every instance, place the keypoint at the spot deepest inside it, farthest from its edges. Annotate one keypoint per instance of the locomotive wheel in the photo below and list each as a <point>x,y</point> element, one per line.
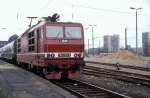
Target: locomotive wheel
<point>64,75</point>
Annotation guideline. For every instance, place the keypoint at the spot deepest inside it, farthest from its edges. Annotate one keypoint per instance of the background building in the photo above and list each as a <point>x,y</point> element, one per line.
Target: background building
<point>111,43</point>
<point>146,43</point>
<point>107,43</point>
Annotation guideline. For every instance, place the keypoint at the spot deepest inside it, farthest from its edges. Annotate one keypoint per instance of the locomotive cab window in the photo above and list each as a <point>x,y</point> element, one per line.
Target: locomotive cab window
<point>54,31</point>
<point>73,32</point>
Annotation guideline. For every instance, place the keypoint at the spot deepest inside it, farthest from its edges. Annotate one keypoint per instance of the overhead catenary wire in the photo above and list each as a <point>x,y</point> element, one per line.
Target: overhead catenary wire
<point>100,9</point>
<point>94,8</point>
<point>127,3</point>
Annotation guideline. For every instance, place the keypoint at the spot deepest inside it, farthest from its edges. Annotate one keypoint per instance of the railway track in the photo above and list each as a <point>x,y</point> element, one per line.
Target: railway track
<point>85,90</point>
<point>120,75</point>
<point>120,65</point>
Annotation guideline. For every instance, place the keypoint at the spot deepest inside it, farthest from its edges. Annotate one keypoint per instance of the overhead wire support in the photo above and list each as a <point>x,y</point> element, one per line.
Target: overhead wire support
<point>93,38</point>
<point>31,18</point>
<point>126,44</point>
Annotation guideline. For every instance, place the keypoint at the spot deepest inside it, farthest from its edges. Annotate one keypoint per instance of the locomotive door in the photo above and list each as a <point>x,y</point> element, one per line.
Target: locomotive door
<point>38,40</point>
<point>38,45</point>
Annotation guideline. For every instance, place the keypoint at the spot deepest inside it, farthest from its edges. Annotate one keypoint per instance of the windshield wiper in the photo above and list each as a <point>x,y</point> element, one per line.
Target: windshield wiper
<point>68,34</point>
<point>57,36</point>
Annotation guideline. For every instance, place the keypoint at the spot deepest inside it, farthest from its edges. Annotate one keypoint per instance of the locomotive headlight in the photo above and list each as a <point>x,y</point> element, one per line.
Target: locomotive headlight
<point>76,55</point>
<point>51,55</point>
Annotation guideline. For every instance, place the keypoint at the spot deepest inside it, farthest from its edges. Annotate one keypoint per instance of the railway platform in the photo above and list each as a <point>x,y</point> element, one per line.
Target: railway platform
<point>18,83</point>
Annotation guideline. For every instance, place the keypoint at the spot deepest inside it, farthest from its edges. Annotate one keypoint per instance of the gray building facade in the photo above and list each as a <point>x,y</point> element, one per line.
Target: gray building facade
<point>111,43</point>
<point>146,43</point>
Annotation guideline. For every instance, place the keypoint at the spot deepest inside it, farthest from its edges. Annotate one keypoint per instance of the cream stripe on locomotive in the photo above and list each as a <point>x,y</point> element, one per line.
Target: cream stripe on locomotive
<point>57,54</point>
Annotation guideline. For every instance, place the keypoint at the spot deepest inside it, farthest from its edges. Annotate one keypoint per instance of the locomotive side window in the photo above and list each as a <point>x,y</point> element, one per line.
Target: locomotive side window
<point>73,32</point>
<point>31,34</point>
<point>31,41</point>
<point>54,31</point>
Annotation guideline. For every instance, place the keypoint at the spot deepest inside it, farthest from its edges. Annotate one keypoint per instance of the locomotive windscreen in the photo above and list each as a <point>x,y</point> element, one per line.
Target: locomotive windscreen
<point>55,31</point>
<point>63,32</point>
<point>73,32</point>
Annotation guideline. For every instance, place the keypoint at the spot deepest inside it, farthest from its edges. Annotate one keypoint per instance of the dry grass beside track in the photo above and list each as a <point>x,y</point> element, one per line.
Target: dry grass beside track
<point>125,55</point>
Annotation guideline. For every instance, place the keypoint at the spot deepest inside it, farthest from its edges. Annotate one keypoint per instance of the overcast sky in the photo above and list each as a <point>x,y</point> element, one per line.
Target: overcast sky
<point>109,16</point>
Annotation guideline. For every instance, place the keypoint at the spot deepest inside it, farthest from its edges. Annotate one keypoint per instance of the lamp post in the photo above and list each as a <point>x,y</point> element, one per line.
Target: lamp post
<point>88,41</point>
<point>136,9</point>
<point>92,37</point>
<point>126,47</point>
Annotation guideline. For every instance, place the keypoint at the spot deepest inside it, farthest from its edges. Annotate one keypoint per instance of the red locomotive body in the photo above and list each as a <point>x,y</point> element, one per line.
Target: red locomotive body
<point>55,49</point>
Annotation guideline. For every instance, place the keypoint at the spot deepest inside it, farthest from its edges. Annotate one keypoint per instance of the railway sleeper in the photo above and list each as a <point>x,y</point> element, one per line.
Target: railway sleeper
<point>99,95</point>
<point>75,85</point>
<point>83,89</point>
<point>88,91</point>
<point>93,93</point>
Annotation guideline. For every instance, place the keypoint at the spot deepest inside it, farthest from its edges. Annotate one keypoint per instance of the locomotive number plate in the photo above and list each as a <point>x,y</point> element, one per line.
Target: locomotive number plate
<point>64,55</point>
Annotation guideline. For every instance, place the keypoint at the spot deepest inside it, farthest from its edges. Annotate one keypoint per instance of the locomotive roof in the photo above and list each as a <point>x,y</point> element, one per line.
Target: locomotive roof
<point>41,23</point>
<point>44,22</point>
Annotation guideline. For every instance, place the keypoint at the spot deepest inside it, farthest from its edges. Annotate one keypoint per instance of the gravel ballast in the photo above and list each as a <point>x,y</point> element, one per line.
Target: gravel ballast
<point>129,89</point>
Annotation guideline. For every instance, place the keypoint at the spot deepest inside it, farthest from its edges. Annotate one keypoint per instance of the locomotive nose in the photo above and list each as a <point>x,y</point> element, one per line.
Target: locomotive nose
<point>53,67</point>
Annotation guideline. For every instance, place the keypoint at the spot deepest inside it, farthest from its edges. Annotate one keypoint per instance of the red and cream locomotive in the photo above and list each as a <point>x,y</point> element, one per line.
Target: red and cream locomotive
<point>55,49</point>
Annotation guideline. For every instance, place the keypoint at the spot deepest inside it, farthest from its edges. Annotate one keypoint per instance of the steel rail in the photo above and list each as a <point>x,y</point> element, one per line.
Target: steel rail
<point>120,65</point>
<point>125,76</point>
